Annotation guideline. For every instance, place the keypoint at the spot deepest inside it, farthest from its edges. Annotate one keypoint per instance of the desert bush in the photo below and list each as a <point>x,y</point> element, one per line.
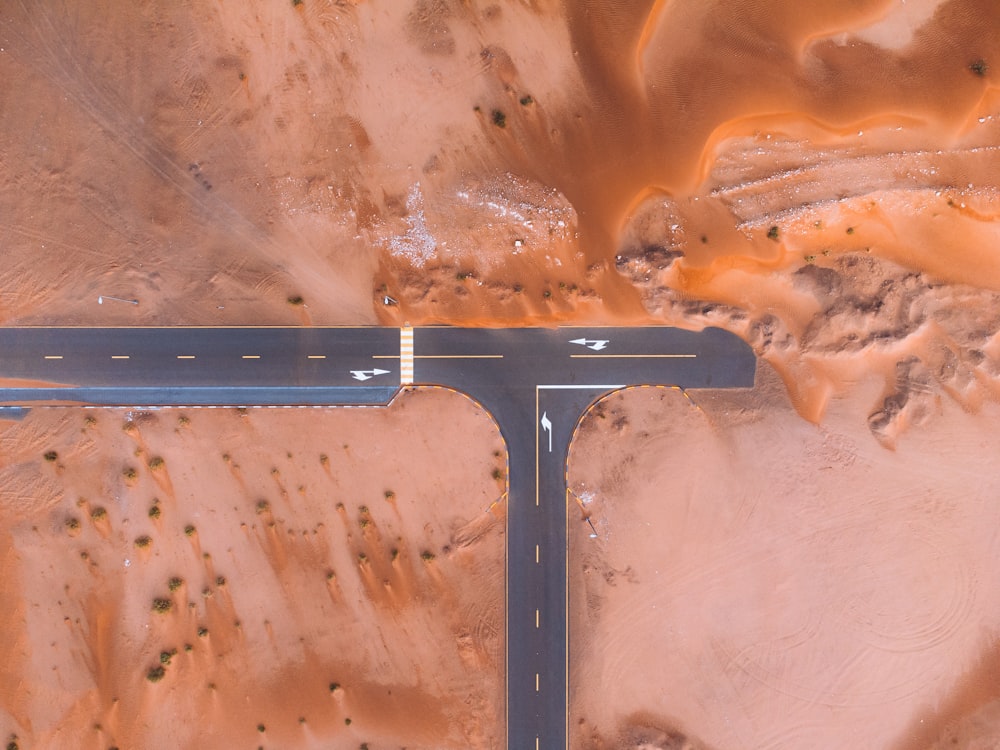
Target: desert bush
<point>499,118</point>
<point>154,512</point>
<point>188,530</point>
<point>143,541</point>
<point>50,456</point>
<point>426,555</point>
<point>175,583</point>
<point>98,513</point>
<point>162,605</point>
<point>155,674</point>
<point>156,462</point>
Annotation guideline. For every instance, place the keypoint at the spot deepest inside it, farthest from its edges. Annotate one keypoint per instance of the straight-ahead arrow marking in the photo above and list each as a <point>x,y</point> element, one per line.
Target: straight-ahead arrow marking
<point>595,344</point>
<point>367,374</point>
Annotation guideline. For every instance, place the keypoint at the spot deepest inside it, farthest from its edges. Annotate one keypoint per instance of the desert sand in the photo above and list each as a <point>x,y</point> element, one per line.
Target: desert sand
<point>819,178</point>
<point>763,582</point>
<point>225,578</point>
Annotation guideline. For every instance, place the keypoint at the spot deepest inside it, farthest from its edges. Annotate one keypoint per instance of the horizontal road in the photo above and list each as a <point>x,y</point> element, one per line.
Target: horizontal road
<point>535,381</point>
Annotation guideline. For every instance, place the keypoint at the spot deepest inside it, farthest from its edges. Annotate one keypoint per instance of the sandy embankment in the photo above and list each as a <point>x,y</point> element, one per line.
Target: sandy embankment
<point>327,575</point>
<point>822,593</point>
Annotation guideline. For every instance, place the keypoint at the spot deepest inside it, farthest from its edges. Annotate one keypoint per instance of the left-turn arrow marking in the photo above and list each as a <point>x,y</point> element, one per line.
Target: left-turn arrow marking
<point>547,426</point>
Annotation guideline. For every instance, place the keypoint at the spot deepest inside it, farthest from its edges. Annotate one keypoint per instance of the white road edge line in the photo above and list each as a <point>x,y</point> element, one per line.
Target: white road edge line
<point>577,387</point>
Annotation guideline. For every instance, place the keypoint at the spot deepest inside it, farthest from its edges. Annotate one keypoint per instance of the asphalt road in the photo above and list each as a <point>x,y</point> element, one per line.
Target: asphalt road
<point>535,381</point>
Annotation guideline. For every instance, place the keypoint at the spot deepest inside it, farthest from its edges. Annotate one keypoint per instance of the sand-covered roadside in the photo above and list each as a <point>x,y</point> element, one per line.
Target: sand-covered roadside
<point>282,578</point>
<point>763,582</point>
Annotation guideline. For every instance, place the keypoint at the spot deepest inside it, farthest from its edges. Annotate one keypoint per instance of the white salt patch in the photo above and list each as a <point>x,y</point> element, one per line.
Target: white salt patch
<point>417,245</point>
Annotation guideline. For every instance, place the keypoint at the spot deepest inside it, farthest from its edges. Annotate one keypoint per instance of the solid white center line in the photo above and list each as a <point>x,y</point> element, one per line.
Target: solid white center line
<point>537,552</point>
<point>536,690</point>
<point>53,356</point>
<point>251,356</point>
<point>316,356</point>
<point>536,618</point>
<point>185,356</point>
<point>119,356</point>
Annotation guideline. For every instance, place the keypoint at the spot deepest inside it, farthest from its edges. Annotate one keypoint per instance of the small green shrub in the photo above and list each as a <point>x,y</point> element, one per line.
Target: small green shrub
<point>72,524</point>
<point>772,233</point>
<point>98,513</point>
<point>427,555</point>
<point>188,530</point>
<point>499,118</point>
<point>129,473</point>
<point>296,300</point>
<point>143,541</point>
<point>154,512</point>
<point>202,632</point>
<point>175,583</point>
<point>156,462</point>
<point>526,100</point>
<point>155,674</point>
<point>50,456</point>
<point>162,605</point>
<point>979,67</point>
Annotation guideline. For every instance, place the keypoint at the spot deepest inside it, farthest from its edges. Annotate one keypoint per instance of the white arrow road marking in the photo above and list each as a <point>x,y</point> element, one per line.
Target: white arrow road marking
<point>547,426</point>
<point>595,344</point>
<point>367,374</point>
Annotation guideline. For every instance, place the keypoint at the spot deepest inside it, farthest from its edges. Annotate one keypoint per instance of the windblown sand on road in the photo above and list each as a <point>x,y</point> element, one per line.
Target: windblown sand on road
<point>762,582</point>
<point>281,578</point>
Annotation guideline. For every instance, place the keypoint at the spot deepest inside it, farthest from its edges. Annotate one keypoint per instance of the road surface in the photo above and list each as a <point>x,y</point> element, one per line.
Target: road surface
<point>535,381</point>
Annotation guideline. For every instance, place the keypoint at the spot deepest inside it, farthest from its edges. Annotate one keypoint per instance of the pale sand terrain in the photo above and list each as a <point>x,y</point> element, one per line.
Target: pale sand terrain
<point>304,564</point>
<point>819,178</point>
<point>761,582</point>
